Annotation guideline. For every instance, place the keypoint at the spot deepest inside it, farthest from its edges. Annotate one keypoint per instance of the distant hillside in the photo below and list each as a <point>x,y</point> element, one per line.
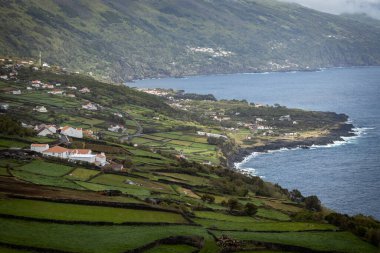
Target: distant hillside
<point>363,18</point>
<point>125,40</point>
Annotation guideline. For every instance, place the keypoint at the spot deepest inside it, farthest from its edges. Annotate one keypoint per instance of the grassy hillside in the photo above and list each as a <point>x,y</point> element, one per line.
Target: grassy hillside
<point>173,193</point>
<point>134,39</point>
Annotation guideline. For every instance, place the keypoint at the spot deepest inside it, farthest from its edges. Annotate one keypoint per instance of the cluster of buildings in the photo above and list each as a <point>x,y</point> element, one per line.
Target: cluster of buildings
<point>84,155</point>
<point>46,130</point>
<point>211,135</point>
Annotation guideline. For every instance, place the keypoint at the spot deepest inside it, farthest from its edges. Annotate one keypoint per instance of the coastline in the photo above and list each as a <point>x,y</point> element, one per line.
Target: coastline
<point>243,154</point>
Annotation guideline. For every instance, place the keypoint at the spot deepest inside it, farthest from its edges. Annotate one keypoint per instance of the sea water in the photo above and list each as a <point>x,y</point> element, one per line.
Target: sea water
<point>344,175</point>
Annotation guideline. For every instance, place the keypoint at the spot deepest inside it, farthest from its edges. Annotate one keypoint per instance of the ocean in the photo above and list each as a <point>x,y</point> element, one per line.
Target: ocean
<point>344,175</point>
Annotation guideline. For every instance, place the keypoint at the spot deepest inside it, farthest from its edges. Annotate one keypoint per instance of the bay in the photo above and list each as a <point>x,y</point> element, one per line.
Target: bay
<point>345,176</point>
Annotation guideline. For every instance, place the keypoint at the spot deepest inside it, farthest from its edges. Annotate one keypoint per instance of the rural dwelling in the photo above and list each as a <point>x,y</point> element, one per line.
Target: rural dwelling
<point>16,92</point>
<point>51,128</point>
<point>39,147</point>
<point>56,92</point>
<point>90,106</point>
<point>44,132</point>
<point>71,95</point>
<point>71,87</point>
<point>5,77</point>
<point>83,155</point>
<point>85,90</point>
<point>4,106</point>
<point>57,151</point>
<point>285,117</point>
<point>116,128</point>
<point>40,109</point>
<point>90,134</point>
<point>72,132</point>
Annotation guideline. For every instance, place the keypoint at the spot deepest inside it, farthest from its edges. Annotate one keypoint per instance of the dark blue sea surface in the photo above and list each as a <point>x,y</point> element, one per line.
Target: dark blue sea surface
<point>345,176</point>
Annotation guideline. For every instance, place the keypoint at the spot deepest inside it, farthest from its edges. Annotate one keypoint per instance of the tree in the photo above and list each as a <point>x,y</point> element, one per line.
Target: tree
<point>233,204</point>
<point>313,203</point>
<point>250,209</point>
<point>208,198</point>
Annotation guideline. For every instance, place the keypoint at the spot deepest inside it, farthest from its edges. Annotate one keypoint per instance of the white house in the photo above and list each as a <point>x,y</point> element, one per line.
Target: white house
<point>4,106</point>
<point>90,106</point>
<point>72,87</point>
<point>84,90</point>
<point>57,151</point>
<point>56,92</point>
<point>44,132</point>
<point>116,128</point>
<point>84,155</point>
<point>211,135</point>
<point>72,132</point>
<point>39,147</point>
<point>5,77</point>
<point>16,92</point>
<point>285,117</point>
<point>40,109</point>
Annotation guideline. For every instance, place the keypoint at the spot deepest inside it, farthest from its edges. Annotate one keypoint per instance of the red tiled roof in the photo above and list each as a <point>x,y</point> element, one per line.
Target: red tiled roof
<point>81,151</point>
<point>56,149</point>
<point>38,145</point>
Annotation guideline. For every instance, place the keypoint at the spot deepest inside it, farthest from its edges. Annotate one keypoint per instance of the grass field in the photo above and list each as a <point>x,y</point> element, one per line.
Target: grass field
<point>72,212</point>
<point>82,174</point>
<point>272,214</point>
<point>263,226</point>
<point>129,182</point>
<point>88,239</point>
<point>192,180</point>
<point>172,249</point>
<point>327,241</point>
<point>46,168</point>
<point>223,217</point>
<point>45,180</point>
<point>5,143</point>
<point>139,192</point>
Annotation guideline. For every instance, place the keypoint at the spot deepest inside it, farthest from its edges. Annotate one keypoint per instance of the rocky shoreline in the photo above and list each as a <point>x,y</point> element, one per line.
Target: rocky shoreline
<point>344,130</point>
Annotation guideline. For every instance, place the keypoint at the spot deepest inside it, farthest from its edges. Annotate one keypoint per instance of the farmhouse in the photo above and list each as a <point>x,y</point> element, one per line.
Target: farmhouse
<point>56,92</point>
<point>40,108</point>
<point>4,106</point>
<point>72,132</point>
<point>84,90</point>
<point>16,92</point>
<point>39,147</point>
<point>90,106</point>
<point>5,77</point>
<point>285,117</point>
<point>84,155</point>
<point>211,135</point>
<point>116,128</point>
<point>44,132</point>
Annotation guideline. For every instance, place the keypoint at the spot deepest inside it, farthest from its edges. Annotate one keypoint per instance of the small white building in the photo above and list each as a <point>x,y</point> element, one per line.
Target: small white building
<point>44,132</point>
<point>116,128</point>
<point>39,147</point>
<point>57,151</point>
<point>56,92</point>
<point>285,117</point>
<point>72,132</point>
<point>71,87</point>
<point>211,135</point>
<point>84,90</point>
<point>4,77</point>
<point>71,95</point>
<point>4,106</point>
<point>90,106</point>
<point>40,109</point>
<point>16,92</point>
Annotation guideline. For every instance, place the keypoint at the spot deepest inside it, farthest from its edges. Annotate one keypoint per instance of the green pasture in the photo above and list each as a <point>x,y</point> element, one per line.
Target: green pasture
<point>90,239</point>
<point>46,168</point>
<point>73,212</point>
<point>323,241</point>
<point>82,174</point>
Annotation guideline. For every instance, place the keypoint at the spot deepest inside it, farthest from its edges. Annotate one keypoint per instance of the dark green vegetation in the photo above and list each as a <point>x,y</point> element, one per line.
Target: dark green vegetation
<point>174,194</point>
<point>135,39</point>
